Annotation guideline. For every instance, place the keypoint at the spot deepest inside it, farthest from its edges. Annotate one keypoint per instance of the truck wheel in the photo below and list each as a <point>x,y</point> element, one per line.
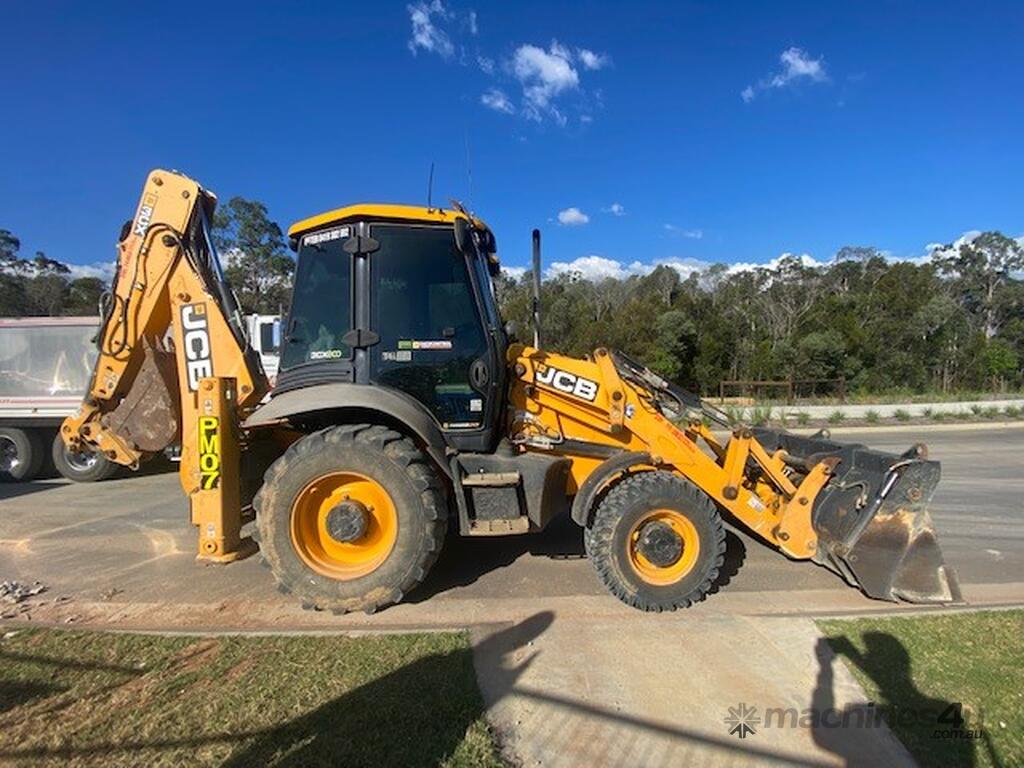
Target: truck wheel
<point>21,454</point>
<point>350,518</point>
<point>81,466</point>
<point>656,542</point>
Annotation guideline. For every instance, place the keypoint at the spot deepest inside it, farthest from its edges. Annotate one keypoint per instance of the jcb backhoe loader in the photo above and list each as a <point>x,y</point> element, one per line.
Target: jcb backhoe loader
<point>402,404</point>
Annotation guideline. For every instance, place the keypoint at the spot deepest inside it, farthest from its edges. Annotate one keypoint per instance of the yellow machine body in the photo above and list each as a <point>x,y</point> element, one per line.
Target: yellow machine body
<point>174,367</point>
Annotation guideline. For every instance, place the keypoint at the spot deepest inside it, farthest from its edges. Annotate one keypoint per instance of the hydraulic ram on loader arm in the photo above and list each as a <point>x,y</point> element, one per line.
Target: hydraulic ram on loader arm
<point>173,360</point>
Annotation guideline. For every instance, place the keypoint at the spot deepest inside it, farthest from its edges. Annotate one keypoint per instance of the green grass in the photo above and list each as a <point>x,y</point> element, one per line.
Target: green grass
<point>803,418</point>
<point>925,664</point>
<point>836,417</point>
<point>1011,411</point>
<point>872,417</point>
<point>120,699</point>
<point>901,415</point>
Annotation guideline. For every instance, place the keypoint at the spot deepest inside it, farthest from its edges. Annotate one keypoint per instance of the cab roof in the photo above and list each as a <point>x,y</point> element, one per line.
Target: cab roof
<point>411,213</point>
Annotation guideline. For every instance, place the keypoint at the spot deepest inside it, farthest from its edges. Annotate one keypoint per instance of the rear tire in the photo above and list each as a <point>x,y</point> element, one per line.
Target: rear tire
<point>84,467</point>
<point>21,454</point>
<point>677,510</point>
<point>387,547</point>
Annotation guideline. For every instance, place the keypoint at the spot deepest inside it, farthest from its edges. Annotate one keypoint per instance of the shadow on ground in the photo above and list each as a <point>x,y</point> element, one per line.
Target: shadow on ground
<point>922,722</point>
<point>464,560</point>
<point>380,723</point>
<point>51,480</point>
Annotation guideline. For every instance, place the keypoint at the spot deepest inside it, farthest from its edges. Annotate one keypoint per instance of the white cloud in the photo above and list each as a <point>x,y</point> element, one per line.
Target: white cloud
<point>591,60</point>
<point>102,269</point>
<point>592,268</point>
<point>616,209</point>
<point>572,217</point>
<point>514,272</point>
<point>486,64</point>
<point>596,268</point>
<point>692,234</point>
<point>796,65</point>
<point>427,32</point>
<point>804,258</point>
<point>471,19</point>
<point>497,100</point>
<point>543,76</point>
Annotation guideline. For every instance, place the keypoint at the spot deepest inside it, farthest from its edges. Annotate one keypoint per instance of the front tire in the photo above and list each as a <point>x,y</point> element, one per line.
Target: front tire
<point>656,542</point>
<point>350,518</point>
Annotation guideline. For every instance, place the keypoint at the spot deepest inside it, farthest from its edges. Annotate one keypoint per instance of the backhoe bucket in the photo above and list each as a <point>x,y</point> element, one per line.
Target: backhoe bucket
<point>872,518</point>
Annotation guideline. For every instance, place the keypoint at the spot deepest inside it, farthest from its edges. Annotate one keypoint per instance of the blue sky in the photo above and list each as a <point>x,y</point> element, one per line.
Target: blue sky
<point>683,132</point>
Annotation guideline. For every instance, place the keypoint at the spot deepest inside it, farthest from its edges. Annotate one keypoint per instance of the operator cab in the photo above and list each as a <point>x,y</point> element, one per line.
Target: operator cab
<point>400,297</point>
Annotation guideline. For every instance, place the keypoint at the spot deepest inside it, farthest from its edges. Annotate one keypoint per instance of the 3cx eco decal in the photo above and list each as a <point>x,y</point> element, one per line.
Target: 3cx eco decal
<point>196,339</point>
<point>209,452</point>
<point>145,215</point>
<point>563,381</point>
<point>326,354</point>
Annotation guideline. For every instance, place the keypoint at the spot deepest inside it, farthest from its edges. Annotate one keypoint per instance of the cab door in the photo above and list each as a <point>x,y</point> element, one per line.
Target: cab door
<point>433,344</point>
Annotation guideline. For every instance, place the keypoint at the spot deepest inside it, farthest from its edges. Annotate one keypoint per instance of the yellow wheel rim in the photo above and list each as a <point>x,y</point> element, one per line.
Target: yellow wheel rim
<point>322,551</point>
<point>668,574</point>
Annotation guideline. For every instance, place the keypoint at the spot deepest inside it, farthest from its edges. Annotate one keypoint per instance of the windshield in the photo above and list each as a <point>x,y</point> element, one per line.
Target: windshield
<point>322,302</point>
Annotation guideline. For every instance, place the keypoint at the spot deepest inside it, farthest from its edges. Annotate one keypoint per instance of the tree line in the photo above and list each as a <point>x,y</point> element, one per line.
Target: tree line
<point>952,323</point>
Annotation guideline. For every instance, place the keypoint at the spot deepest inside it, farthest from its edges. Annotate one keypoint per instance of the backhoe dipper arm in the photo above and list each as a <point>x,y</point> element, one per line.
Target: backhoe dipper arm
<point>172,350</point>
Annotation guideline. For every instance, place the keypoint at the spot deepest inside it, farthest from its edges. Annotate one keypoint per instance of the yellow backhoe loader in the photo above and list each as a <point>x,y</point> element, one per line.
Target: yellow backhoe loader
<point>403,404</point>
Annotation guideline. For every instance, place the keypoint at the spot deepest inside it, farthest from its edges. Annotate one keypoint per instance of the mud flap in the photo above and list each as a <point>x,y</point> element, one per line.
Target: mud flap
<point>872,518</point>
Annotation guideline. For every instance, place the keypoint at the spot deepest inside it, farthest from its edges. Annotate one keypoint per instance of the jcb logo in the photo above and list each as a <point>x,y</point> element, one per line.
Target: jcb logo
<point>566,382</point>
<point>209,453</point>
<point>198,364</point>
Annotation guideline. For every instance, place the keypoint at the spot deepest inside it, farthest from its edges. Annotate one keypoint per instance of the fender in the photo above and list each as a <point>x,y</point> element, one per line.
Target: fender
<point>583,504</point>
<point>391,404</point>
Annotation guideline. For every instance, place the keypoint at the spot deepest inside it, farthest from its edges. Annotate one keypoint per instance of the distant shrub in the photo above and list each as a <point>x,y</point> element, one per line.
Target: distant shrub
<point>939,415</point>
<point>901,415</point>
<point>872,417</point>
<point>928,412</point>
<point>836,417</point>
<point>1012,411</point>
<point>760,415</point>
<point>976,409</point>
<point>991,412</point>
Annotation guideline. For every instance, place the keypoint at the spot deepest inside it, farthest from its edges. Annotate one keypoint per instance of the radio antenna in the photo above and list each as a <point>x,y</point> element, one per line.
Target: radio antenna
<point>430,188</point>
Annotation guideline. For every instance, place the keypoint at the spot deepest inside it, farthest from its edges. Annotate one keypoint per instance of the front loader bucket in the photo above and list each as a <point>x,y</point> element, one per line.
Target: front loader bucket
<point>872,518</point>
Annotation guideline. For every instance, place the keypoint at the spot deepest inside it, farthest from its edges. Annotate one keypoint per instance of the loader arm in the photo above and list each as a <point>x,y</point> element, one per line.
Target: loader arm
<point>861,513</point>
<point>174,363</point>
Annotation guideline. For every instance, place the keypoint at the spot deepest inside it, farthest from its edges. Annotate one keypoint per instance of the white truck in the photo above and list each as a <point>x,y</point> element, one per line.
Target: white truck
<point>45,365</point>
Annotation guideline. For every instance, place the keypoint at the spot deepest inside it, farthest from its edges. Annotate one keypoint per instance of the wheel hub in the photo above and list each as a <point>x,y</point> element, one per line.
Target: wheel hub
<point>659,544</point>
<point>348,521</point>
<point>8,455</point>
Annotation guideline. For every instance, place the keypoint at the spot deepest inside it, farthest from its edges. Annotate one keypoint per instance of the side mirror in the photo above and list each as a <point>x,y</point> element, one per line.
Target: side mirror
<point>462,234</point>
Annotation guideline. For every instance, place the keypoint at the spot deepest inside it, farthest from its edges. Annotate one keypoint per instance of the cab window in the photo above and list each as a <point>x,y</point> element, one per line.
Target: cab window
<point>424,310</point>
